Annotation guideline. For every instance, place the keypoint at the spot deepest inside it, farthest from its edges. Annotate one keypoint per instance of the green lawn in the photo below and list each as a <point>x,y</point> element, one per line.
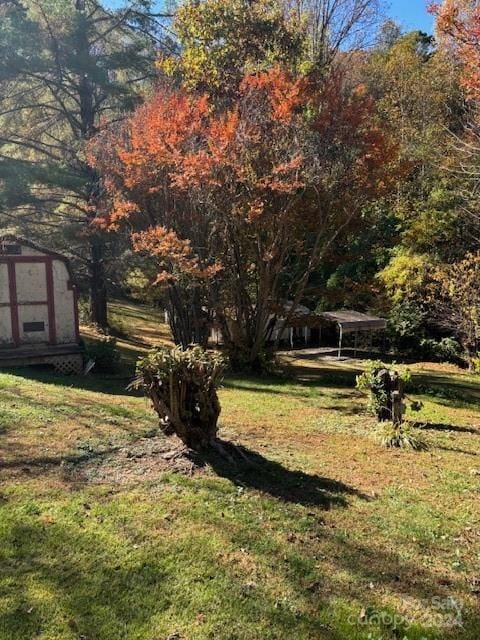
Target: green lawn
<point>324,536</point>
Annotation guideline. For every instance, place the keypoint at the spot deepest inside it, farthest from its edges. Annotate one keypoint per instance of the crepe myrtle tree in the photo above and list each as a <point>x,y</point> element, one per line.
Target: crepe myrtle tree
<point>226,198</point>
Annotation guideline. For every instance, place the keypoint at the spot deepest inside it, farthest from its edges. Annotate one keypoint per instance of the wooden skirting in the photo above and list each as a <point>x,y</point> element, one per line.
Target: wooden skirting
<point>65,358</point>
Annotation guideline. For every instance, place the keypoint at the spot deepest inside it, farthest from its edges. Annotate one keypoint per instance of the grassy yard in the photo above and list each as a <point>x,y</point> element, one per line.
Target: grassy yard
<point>324,536</point>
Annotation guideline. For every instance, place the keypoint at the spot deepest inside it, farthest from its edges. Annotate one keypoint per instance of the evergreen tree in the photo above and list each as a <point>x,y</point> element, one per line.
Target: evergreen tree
<point>67,68</point>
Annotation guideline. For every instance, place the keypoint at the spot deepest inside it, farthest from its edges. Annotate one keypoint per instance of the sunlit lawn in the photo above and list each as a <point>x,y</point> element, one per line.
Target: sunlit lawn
<point>324,536</point>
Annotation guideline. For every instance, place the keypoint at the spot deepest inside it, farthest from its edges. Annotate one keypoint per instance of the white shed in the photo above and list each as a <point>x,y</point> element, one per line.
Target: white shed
<point>38,307</point>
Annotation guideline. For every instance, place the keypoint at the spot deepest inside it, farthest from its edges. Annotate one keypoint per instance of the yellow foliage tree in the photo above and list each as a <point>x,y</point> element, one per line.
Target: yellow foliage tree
<point>455,298</point>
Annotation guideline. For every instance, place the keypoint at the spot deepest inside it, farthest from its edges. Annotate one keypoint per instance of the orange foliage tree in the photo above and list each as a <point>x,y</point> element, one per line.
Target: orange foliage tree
<point>225,200</point>
<point>458,22</point>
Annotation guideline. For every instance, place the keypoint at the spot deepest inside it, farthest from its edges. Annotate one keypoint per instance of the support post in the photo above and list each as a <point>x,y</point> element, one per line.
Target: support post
<point>12,283</point>
<point>340,342</point>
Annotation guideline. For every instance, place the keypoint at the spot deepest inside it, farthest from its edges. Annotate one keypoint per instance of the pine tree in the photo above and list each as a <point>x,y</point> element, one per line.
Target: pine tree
<point>67,68</point>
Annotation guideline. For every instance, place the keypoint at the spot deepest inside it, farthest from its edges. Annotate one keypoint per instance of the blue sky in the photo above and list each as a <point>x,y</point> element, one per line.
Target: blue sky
<point>411,14</point>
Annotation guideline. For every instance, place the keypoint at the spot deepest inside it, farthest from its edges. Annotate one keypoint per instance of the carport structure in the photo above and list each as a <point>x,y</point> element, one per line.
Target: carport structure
<point>354,322</point>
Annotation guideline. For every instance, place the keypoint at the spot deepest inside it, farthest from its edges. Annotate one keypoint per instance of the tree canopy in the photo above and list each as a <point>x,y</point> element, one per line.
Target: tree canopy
<point>236,159</point>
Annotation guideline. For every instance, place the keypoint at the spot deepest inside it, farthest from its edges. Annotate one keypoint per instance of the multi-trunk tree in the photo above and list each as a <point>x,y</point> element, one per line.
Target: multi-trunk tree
<point>226,198</point>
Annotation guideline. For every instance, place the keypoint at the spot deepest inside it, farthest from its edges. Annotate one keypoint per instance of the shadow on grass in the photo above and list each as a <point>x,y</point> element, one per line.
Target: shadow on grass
<point>108,384</point>
<point>38,464</point>
<point>430,426</point>
<point>249,469</point>
<point>468,402</point>
<point>318,378</point>
<point>465,452</point>
<point>242,466</point>
<point>107,593</point>
<point>447,392</point>
<point>108,589</point>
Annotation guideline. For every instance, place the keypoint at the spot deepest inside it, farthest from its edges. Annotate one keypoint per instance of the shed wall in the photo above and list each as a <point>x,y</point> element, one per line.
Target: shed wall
<point>6,336</point>
<point>64,296</point>
<point>31,280</point>
<point>34,284</point>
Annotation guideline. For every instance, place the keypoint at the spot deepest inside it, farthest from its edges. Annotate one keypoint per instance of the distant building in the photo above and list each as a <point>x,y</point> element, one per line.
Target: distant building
<point>354,322</point>
<point>297,329</point>
<point>38,308</point>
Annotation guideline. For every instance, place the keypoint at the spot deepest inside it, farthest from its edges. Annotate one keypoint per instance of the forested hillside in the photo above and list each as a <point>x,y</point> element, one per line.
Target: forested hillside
<point>312,153</point>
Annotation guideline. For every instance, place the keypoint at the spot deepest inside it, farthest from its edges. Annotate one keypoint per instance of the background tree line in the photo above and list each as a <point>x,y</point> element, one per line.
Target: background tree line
<point>285,151</point>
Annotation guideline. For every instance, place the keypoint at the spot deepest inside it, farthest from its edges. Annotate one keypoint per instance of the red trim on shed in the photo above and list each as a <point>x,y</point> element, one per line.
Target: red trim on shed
<point>14,304</point>
<point>12,286</point>
<point>25,258</point>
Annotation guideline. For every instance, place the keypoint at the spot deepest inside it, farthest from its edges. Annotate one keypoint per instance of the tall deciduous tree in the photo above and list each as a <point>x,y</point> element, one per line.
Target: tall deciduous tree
<point>67,67</point>
<point>334,26</point>
<point>419,101</point>
<point>225,199</point>
<point>455,301</point>
<point>222,40</point>
<point>458,27</point>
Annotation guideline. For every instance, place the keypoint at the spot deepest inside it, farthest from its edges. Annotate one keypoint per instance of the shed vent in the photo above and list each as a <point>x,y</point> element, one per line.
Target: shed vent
<point>30,327</point>
<point>11,249</point>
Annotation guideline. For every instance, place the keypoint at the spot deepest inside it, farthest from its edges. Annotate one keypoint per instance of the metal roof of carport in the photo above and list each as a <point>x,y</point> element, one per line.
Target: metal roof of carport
<point>350,321</point>
<point>353,322</point>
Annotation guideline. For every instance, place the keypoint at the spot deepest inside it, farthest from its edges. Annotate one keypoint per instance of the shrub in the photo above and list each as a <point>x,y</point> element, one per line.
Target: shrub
<point>476,364</point>
<point>182,385</point>
<point>381,383</point>
<point>118,327</point>
<point>405,276</point>
<point>444,350</point>
<point>400,437</point>
<point>84,312</point>
<point>240,361</point>
<point>406,326</point>
<point>386,388</point>
<point>105,354</point>
<point>455,302</point>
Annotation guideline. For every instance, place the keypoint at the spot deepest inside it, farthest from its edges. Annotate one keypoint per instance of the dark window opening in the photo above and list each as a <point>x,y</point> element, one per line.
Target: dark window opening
<point>12,249</point>
<point>30,327</point>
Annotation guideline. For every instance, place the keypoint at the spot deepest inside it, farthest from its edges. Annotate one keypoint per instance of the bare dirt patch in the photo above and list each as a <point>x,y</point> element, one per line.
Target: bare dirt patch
<point>142,460</point>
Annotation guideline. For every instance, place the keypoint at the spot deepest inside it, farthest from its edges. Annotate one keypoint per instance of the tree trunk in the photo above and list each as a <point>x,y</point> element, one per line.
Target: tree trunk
<point>182,385</point>
<point>391,388</point>
<point>470,349</point>
<point>88,114</point>
<point>98,288</point>
<point>188,319</point>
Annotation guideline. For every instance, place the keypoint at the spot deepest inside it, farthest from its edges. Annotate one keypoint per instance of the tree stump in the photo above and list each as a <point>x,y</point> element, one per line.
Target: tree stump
<point>389,390</point>
<point>182,386</point>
